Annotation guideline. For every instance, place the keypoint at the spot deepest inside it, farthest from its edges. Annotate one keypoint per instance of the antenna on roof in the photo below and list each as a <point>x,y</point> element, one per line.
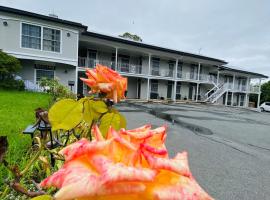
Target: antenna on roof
<point>200,49</point>
<point>53,15</point>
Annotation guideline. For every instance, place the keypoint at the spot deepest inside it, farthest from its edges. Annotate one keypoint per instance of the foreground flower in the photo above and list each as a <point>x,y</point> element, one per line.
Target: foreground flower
<point>129,164</point>
<point>105,80</point>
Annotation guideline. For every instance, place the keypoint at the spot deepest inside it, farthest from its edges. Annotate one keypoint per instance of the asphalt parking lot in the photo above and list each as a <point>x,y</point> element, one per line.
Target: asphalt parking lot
<point>229,148</point>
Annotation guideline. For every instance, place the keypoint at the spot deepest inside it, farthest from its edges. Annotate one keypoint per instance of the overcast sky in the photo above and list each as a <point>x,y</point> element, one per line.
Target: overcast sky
<point>237,31</point>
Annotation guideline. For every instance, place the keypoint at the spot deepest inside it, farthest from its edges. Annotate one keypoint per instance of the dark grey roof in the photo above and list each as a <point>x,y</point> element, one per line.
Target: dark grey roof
<point>149,46</point>
<point>43,17</point>
<point>243,71</point>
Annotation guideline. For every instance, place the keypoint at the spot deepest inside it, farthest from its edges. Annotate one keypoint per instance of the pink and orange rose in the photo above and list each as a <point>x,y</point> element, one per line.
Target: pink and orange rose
<point>105,80</point>
<point>128,164</point>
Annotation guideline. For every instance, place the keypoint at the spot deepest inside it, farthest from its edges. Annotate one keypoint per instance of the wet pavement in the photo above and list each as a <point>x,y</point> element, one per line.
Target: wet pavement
<point>229,148</point>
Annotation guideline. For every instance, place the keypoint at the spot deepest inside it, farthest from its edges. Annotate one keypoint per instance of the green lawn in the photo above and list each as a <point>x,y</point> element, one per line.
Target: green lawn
<point>16,112</point>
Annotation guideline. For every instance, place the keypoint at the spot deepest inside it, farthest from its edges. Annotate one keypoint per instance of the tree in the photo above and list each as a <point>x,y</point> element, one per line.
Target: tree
<point>130,36</point>
<point>265,89</point>
<point>9,65</point>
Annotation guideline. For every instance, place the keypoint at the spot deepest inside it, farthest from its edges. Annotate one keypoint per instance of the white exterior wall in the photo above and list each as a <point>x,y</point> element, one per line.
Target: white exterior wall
<point>28,72</point>
<point>132,88</point>
<point>10,40</point>
<point>144,89</point>
<point>162,88</point>
<point>145,65</point>
<point>184,90</point>
<point>65,77</point>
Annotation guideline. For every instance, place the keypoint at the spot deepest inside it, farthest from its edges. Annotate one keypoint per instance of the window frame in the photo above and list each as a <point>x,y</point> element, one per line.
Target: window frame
<point>154,84</point>
<point>35,76</point>
<point>21,36</point>
<point>41,44</point>
<point>60,41</point>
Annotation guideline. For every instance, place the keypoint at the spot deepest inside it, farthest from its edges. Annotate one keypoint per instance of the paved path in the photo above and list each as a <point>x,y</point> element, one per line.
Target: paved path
<point>229,148</point>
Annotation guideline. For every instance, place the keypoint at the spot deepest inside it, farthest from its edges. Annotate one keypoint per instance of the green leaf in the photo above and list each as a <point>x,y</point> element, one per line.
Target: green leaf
<point>88,111</point>
<point>65,114</point>
<point>123,121</point>
<point>107,120</point>
<point>100,107</point>
<point>43,197</point>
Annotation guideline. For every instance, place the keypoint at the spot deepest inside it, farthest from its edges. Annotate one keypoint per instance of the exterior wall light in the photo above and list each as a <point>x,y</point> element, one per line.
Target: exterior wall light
<point>68,34</point>
<point>5,23</point>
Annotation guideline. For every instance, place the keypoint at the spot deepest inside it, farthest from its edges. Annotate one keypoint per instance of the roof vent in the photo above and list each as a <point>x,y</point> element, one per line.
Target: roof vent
<point>53,15</point>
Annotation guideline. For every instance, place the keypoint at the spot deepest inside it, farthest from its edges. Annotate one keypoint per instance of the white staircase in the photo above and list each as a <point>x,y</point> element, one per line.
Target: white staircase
<point>216,92</point>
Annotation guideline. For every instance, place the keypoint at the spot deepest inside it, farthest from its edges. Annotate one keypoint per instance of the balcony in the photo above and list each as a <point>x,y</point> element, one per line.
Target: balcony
<point>121,67</point>
<point>129,68</point>
<point>91,63</point>
<point>187,76</point>
<point>162,72</point>
<point>254,89</point>
<point>208,78</point>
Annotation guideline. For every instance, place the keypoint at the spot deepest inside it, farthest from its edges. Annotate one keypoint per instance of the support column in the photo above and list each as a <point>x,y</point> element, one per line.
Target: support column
<point>233,89</point>
<point>197,91</point>
<point>198,79</point>
<point>259,95</point>
<point>246,99</point>
<point>148,91</point>
<point>247,89</point>
<point>116,59</point>
<point>148,80</point>
<point>149,65</point>
<point>175,82</point>
<point>226,99</point>
<point>218,77</point>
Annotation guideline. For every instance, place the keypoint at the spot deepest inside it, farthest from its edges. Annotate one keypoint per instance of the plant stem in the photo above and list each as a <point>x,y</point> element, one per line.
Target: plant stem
<point>33,159</point>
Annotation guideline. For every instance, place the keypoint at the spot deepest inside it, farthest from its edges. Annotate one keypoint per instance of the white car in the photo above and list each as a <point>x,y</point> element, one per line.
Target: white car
<point>265,106</point>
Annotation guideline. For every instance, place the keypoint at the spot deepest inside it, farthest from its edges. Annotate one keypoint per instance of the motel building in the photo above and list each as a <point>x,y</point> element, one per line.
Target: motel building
<point>51,47</point>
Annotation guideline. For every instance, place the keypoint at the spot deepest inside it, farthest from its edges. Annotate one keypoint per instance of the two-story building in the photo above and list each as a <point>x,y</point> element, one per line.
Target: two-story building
<point>51,47</point>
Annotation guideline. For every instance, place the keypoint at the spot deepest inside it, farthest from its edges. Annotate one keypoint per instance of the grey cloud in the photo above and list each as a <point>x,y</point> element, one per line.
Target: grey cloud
<point>237,31</point>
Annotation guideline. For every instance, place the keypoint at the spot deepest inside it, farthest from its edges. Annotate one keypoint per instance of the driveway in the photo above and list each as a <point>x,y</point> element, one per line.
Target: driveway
<point>229,148</point>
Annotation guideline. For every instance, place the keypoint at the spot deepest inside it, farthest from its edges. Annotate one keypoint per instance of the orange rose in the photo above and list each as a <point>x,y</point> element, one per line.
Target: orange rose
<point>129,164</point>
<point>105,80</point>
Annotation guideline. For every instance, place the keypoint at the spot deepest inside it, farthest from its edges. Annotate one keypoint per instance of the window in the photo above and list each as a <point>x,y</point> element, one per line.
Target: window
<point>171,67</point>
<point>31,36</point>
<point>155,66</point>
<point>154,86</point>
<point>179,69</point>
<point>44,71</point>
<point>51,39</point>
<point>178,91</point>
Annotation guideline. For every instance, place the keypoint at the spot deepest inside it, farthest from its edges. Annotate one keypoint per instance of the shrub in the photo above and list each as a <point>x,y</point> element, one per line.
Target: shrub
<point>11,84</point>
<point>9,65</point>
<point>56,89</point>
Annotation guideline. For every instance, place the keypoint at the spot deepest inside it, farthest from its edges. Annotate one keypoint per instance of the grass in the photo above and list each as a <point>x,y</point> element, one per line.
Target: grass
<point>16,112</point>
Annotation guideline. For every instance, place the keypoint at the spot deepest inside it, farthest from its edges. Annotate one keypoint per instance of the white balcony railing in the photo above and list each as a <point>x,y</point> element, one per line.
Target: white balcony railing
<point>255,89</point>
<point>129,68</point>
<point>121,67</point>
<point>162,72</point>
<point>91,63</point>
<point>208,78</point>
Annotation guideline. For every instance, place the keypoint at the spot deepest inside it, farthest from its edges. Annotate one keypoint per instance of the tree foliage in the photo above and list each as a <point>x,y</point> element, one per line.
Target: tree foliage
<point>130,36</point>
<point>8,66</point>
<point>265,89</point>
